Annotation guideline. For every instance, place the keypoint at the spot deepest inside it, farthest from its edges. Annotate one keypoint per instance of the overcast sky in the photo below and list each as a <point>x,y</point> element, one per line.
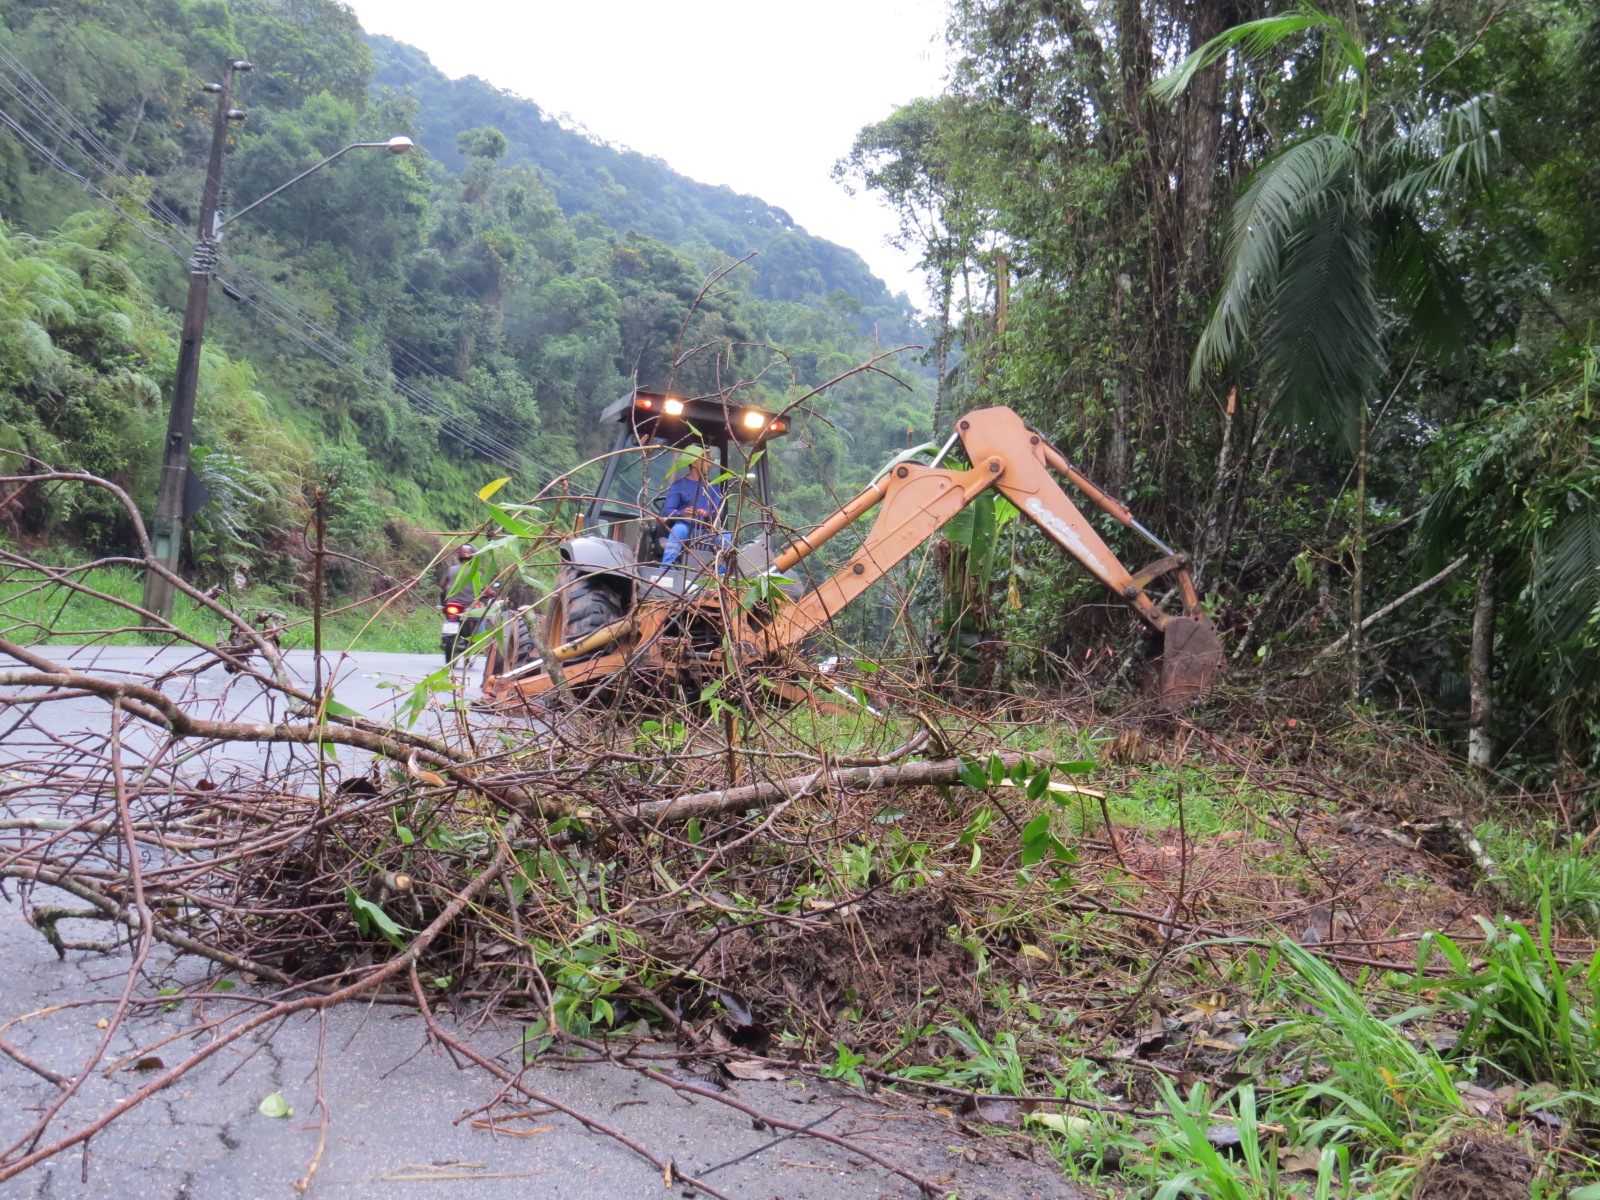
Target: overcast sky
<point>763,97</point>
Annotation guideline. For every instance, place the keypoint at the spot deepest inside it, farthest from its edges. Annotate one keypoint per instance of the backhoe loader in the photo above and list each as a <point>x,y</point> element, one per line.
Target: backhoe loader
<point>619,619</point>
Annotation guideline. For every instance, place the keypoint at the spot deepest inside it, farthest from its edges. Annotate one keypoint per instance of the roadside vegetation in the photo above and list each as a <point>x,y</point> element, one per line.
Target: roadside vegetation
<point>1291,956</point>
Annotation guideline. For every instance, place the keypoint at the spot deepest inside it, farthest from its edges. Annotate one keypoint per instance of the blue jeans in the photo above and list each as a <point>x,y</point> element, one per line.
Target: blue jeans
<point>682,532</point>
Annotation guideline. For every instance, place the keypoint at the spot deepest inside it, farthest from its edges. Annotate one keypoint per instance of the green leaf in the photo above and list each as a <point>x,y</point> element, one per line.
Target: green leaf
<point>984,539</point>
<point>1302,569</point>
<point>339,710</point>
<point>1567,574</point>
<point>1039,784</point>
<point>1322,343</point>
<point>997,770</point>
<point>1252,39</point>
<point>403,832</point>
<point>976,825</point>
<point>224,985</point>
<point>1080,767</point>
<point>275,1106</point>
<point>511,524</point>
<point>959,528</point>
<point>369,916</point>
<point>1036,839</point>
<point>489,489</point>
<point>974,776</point>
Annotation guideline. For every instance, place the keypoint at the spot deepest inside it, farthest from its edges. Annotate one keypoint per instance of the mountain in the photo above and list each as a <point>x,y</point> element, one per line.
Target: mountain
<point>628,190</point>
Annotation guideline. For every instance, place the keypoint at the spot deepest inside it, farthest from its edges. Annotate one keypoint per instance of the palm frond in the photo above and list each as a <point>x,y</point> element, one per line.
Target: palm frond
<point>1440,153</point>
<point>1445,523</point>
<point>1412,267</point>
<point>1281,193</point>
<point>1320,344</point>
<point>1567,579</point>
<point>1255,39</point>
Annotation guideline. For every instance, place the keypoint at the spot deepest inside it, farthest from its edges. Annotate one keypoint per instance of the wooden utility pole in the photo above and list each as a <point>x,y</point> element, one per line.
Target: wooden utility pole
<point>167,530</point>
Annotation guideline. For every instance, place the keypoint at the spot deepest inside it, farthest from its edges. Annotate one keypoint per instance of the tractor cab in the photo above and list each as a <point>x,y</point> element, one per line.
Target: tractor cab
<point>655,435</point>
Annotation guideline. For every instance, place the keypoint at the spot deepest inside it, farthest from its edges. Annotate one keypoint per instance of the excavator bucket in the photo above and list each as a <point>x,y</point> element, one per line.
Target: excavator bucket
<point>1191,660</point>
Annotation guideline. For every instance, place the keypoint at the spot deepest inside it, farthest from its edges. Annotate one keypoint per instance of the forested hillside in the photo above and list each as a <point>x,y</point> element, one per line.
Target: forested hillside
<point>406,328</point>
<point>1321,304</point>
<point>628,190</point>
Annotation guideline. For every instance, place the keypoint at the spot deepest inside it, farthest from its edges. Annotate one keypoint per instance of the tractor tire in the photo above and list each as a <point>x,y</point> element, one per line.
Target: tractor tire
<point>590,606</point>
<point>520,649</point>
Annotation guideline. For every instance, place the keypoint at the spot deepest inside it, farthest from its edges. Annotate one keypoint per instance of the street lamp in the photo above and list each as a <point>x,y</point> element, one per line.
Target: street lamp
<point>167,530</point>
<point>395,145</point>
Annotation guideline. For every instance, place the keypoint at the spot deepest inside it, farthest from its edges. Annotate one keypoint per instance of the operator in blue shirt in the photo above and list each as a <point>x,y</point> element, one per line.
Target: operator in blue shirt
<point>692,507</point>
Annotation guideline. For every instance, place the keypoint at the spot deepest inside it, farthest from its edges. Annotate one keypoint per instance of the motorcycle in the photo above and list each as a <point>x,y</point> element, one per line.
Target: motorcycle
<point>462,623</point>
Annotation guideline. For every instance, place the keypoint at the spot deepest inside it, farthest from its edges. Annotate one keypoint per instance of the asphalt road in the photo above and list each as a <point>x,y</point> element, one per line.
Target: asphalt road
<point>399,1113</point>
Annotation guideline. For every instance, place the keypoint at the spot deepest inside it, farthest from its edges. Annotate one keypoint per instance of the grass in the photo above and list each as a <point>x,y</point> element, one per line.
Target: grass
<point>1528,1015</point>
<point>1338,1092</point>
<point>1542,860</point>
<point>51,614</point>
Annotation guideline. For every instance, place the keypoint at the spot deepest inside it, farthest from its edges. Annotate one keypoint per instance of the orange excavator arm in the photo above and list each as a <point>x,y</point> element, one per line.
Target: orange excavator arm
<point>915,501</point>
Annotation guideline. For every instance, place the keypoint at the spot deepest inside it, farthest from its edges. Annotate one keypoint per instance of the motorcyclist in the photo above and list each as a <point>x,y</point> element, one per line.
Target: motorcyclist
<point>466,593</point>
<point>692,507</point>
<point>459,593</point>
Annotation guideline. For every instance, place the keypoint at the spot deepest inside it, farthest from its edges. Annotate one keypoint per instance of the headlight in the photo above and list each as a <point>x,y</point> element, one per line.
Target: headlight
<point>755,420</point>
<point>673,408</point>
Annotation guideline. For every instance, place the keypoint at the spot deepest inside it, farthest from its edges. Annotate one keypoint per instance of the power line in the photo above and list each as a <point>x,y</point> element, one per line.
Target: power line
<point>280,310</point>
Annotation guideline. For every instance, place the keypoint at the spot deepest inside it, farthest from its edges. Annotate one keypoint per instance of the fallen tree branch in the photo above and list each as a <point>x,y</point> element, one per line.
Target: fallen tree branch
<point>503,858</point>
<point>1343,639</point>
<point>762,795</point>
<point>153,707</point>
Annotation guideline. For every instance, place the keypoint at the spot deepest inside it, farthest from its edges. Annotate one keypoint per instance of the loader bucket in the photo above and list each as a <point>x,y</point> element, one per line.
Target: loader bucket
<point>1191,660</point>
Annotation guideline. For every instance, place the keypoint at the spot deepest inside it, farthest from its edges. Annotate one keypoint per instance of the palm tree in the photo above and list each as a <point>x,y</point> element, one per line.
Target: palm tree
<point>1337,233</point>
<point>1334,251</point>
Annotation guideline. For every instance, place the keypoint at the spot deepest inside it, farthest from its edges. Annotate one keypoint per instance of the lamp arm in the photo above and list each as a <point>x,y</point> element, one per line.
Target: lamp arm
<point>317,167</point>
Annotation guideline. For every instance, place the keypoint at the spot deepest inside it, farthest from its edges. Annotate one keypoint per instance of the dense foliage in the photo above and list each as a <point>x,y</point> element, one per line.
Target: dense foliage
<point>1312,290</point>
<point>403,328</point>
<point>1376,225</point>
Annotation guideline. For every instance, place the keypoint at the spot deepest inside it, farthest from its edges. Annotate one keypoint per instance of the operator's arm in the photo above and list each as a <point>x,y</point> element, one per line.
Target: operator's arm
<point>679,499</point>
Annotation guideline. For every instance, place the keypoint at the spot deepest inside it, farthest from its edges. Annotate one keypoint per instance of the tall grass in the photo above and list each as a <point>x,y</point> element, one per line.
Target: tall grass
<point>1528,1015</point>
<point>1360,1075</point>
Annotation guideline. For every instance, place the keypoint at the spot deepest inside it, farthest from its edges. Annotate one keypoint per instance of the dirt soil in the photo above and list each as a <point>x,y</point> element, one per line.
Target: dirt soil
<point>886,952</point>
<point>1477,1167</point>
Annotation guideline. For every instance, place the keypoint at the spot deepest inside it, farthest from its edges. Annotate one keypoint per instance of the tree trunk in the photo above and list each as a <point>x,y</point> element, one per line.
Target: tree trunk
<point>1201,142</point>
<point>947,283</point>
<point>1480,669</point>
<point>1358,561</point>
